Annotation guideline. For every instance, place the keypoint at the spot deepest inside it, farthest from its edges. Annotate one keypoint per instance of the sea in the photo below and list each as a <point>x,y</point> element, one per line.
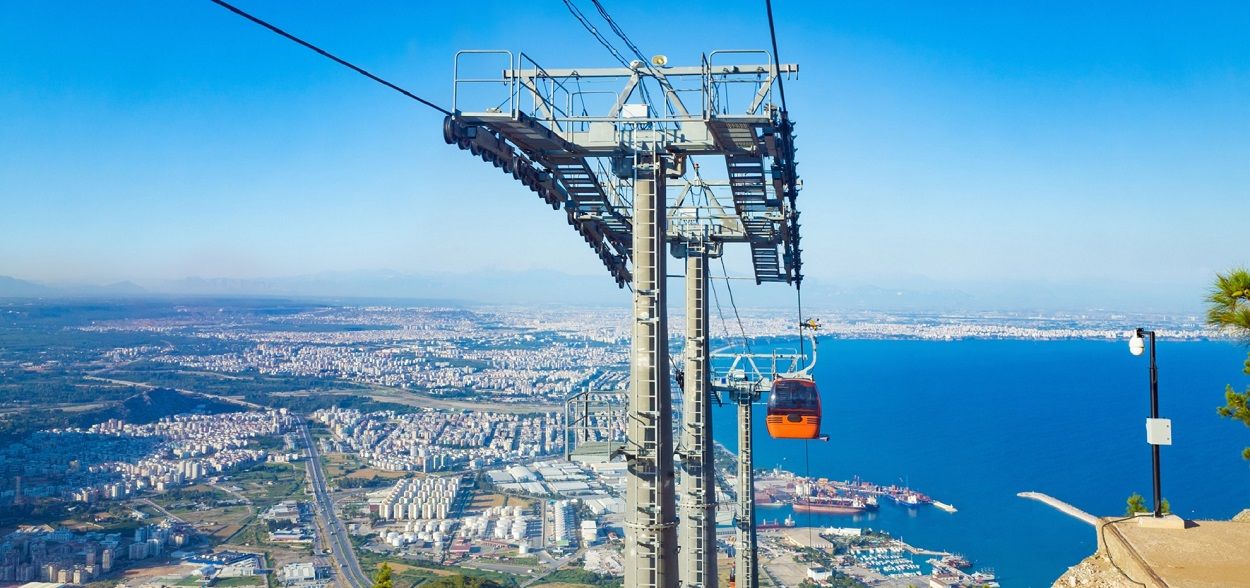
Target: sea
<point>974,422</point>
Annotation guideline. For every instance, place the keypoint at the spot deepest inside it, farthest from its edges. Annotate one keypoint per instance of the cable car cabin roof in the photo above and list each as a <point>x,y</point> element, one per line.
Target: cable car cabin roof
<point>794,394</point>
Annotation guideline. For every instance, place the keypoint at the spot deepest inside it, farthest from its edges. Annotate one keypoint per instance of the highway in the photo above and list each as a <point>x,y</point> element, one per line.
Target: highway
<point>548,569</point>
<point>162,510</point>
<point>340,545</point>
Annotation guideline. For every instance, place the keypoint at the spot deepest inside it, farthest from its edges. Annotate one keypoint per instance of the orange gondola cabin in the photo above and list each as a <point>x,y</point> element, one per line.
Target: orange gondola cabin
<point>794,409</point>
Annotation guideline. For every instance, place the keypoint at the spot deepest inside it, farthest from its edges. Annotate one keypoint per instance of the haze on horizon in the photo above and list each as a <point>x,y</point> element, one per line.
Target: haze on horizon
<point>1099,149</point>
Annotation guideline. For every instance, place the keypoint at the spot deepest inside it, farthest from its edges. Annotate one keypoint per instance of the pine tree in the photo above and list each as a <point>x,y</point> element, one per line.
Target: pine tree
<point>383,578</point>
<point>1136,503</point>
<point>1228,309</point>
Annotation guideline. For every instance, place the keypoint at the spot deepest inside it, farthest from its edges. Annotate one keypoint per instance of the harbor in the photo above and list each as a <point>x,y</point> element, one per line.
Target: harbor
<point>777,488</point>
<point>873,557</point>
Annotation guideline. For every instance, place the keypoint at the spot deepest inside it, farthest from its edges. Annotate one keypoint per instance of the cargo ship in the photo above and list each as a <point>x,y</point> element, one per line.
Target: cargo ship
<point>834,504</point>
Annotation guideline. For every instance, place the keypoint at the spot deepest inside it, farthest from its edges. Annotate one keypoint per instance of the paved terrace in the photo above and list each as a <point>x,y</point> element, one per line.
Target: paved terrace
<point>1159,553</point>
<point>1202,554</point>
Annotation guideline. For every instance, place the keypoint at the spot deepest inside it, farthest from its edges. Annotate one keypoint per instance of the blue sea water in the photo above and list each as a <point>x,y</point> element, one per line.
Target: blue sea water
<point>973,422</point>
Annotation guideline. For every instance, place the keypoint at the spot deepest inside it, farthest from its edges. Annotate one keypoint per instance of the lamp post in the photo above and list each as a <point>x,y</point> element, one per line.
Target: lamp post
<point>1158,431</point>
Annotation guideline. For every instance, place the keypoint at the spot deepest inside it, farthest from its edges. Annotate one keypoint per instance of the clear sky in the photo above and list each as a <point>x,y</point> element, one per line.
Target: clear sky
<point>974,142</point>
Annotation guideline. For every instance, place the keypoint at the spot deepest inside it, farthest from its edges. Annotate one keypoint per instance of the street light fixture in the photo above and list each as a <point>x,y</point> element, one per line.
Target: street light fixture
<point>1158,431</point>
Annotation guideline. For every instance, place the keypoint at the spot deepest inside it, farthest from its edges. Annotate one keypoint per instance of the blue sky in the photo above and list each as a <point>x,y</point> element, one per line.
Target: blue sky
<point>960,143</point>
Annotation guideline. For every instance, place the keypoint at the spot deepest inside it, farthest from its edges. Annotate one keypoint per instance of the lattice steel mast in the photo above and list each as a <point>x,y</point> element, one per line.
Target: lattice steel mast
<point>612,172</point>
<point>697,485</point>
<point>549,147</point>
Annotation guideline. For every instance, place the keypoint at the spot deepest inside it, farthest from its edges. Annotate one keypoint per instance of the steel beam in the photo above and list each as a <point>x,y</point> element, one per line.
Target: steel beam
<point>746,558</point>
<point>697,532</point>
<point>621,72</point>
<point>650,512</point>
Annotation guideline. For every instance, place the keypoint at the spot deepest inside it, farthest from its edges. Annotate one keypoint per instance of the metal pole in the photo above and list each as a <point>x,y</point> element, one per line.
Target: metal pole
<point>697,531</point>
<point>1154,414</point>
<point>650,511</point>
<point>745,560</point>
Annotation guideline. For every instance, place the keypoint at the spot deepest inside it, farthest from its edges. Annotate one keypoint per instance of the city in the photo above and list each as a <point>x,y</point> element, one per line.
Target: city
<point>588,293</point>
<point>441,437</point>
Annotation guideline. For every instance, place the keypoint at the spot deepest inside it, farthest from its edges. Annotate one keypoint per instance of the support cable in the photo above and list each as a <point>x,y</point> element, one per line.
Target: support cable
<point>807,473</point>
<point>621,33</point>
<point>745,342</point>
<point>329,55</point>
<point>798,294</point>
<point>716,298</point>
<point>603,12</point>
<point>594,32</point>
<point>772,33</point>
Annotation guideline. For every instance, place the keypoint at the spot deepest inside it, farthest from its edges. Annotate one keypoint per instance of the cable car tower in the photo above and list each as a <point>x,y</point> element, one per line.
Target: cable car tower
<point>743,380</point>
<point>622,152</point>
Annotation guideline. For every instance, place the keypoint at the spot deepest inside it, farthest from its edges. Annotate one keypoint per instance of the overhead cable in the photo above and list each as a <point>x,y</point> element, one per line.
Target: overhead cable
<point>603,12</point>
<point>620,33</point>
<point>772,33</point>
<point>329,55</point>
<point>594,32</point>
<point>745,342</point>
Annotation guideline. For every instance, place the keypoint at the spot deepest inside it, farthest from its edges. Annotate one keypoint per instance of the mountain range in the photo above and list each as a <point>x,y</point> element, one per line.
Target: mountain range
<point>549,287</point>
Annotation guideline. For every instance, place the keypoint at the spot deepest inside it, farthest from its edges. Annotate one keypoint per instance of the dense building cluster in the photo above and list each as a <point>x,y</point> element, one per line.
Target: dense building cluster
<point>417,499</point>
<point>596,485</point>
<point>525,355</point>
<point>41,553</point>
<point>506,523</point>
<point>115,459</point>
<point>509,355</point>
<point>440,440</point>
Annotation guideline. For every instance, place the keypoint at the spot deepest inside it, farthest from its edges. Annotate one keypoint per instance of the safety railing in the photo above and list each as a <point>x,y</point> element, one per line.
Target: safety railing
<point>509,100</point>
<point>721,80</point>
<point>546,93</point>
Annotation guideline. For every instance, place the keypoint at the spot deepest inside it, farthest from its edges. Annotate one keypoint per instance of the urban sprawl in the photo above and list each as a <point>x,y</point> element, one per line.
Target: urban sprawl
<point>441,437</point>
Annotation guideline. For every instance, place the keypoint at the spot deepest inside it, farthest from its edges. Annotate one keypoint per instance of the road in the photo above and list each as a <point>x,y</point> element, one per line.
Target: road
<point>413,398</point>
<point>228,399</point>
<point>340,545</point>
<point>556,565</point>
<point>172,517</point>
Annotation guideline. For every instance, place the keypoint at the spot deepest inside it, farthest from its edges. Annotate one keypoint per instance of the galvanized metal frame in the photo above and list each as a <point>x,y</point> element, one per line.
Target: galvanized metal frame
<point>608,172</point>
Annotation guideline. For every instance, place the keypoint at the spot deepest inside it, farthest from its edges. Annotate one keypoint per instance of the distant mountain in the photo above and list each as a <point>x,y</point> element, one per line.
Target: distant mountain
<point>15,288</point>
<point>546,287</point>
<point>486,287</point>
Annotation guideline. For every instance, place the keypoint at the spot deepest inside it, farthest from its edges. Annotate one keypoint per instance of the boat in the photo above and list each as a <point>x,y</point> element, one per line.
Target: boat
<point>831,504</point>
<point>957,561</point>
<point>944,506</point>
